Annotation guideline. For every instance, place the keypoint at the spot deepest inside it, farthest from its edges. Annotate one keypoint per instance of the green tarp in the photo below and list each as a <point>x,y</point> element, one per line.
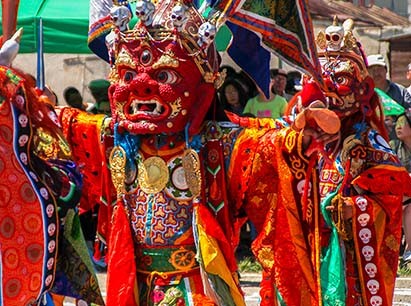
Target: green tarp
<point>390,106</point>
<point>65,26</point>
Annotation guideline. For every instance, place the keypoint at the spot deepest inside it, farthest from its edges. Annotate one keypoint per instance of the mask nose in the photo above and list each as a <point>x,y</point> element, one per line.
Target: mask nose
<point>144,86</point>
<point>329,84</point>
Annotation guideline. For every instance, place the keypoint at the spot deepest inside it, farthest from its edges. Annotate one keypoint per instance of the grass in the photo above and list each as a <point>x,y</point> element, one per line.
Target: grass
<point>248,264</point>
<point>404,269</point>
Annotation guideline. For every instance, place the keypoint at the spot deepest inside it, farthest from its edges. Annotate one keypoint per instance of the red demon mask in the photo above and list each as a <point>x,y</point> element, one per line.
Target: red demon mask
<point>163,71</point>
<point>348,86</point>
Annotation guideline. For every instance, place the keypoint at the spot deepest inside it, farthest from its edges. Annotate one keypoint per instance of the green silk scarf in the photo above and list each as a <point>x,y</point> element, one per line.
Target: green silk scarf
<point>332,263</point>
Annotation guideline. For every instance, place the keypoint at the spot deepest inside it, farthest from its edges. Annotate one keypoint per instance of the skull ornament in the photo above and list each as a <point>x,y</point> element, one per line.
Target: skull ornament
<point>365,235</point>
<point>49,210</point>
<point>206,33</point>
<point>144,11</point>
<point>376,300</point>
<point>23,140</point>
<point>179,16</point>
<point>20,100</point>
<point>23,120</point>
<point>51,246</point>
<point>301,187</point>
<point>349,88</point>
<point>23,158</point>
<point>361,203</point>
<point>363,219</point>
<point>53,116</point>
<point>51,229</point>
<point>373,285</point>
<point>334,35</point>
<point>48,280</point>
<point>371,269</point>
<point>32,174</point>
<point>368,252</point>
<point>121,16</point>
<point>50,263</point>
<point>44,193</point>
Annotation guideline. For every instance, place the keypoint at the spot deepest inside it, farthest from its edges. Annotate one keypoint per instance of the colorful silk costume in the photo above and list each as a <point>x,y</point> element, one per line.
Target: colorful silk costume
<point>170,234</point>
<point>42,250</point>
<point>316,252</point>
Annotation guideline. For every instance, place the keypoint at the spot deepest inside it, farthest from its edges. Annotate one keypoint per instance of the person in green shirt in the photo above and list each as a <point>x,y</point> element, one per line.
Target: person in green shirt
<point>261,107</point>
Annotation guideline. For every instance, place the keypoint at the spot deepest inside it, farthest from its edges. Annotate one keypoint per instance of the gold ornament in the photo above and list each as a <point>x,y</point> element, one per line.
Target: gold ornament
<point>125,59</point>
<point>175,108</point>
<point>349,143</point>
<point>183,259</point>
<point>118,168</point>
<point>321,41</point>
<point>167,60</point>
<point>191,165</point>
<point>153,174</point>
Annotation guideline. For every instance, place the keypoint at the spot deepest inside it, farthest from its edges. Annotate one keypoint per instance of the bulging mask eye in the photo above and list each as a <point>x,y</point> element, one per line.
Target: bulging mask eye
<point>128,76</point>
<point>342,80</point>
<point>168,77</point>
<point>146,57</point>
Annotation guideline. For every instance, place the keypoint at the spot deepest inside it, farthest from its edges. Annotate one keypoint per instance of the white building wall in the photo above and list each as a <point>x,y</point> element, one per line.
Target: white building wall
<point>63,70</point>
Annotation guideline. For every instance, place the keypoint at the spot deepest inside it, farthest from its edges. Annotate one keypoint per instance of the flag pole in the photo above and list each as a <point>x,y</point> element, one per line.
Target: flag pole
<point>40,55</point>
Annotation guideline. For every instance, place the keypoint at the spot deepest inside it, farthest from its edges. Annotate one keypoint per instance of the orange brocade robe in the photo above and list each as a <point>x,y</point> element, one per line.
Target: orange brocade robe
<point>290,242</point>
<point>268,192</point>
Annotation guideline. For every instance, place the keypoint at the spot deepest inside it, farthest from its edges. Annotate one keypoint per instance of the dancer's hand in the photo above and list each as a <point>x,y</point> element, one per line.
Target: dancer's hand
<point>314,140</point>
<point>347,209</point>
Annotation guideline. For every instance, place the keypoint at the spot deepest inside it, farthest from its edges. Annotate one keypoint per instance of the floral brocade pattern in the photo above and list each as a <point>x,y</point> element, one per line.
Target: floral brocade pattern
<point>168,219</point>
<point>281,247</point>
<point>26,226</point>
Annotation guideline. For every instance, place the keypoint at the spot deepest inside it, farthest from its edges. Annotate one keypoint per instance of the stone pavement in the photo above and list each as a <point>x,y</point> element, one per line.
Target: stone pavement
<point>250,283</point>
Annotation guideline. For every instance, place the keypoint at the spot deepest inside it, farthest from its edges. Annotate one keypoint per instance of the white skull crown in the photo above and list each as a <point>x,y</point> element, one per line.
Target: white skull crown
<point>206,33</point>
<point>145,11</point>
<point>179,16</point>
<point>121,16</point>
<point>334,35</point>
